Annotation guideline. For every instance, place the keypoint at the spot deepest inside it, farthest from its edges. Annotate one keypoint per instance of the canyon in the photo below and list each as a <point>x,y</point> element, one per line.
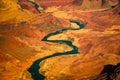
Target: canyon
<point>29,33</point>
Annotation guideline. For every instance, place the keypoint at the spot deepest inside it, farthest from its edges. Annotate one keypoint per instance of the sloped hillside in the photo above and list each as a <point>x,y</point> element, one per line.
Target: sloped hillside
<point>94,49</point>
<point>11,11</point>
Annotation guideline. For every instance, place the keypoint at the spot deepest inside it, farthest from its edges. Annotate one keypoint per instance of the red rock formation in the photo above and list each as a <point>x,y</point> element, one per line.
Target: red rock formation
<point>49,3</point>
<point>81,4</point>
<point>48,23</point>
<point>98,42</point>
<point>25,4</point>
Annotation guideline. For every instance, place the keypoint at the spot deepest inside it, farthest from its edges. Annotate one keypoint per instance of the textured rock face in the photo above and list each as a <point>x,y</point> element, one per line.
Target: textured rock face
<point>82,4</point>
<point>53,23</point>
<point>25,4</point>
<point>77,4</point>
<point>11,11</point>
<point>22,28</point>
<point>32,4</point>
<point>96,4</point>
<point>48,3</point>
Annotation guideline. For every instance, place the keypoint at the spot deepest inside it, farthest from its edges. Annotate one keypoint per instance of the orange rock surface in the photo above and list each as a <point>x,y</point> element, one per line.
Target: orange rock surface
<point>22,28</point>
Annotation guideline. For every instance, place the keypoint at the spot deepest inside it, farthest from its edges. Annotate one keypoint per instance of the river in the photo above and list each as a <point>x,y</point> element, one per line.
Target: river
<point>34,68</point>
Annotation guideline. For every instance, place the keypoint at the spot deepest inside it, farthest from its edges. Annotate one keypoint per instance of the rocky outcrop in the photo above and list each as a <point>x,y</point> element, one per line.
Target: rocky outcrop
<point>21,33</point>
<point>96,4</point>
<point>49,3</point>
<point>48,23</point>
<point>11,11</point>
<point>25,4</point>
<point>38,6</point>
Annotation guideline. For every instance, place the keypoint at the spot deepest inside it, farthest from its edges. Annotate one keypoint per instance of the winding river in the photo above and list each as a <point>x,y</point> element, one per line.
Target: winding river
<point>34,68</point>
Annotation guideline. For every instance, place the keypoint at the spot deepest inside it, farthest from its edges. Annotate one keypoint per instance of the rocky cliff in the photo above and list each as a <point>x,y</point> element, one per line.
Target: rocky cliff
<point>11,11</point>
<point>24,23</point>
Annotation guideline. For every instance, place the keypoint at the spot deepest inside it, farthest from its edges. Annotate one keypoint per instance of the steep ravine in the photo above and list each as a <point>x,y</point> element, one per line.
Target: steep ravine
<point>34,68</point>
